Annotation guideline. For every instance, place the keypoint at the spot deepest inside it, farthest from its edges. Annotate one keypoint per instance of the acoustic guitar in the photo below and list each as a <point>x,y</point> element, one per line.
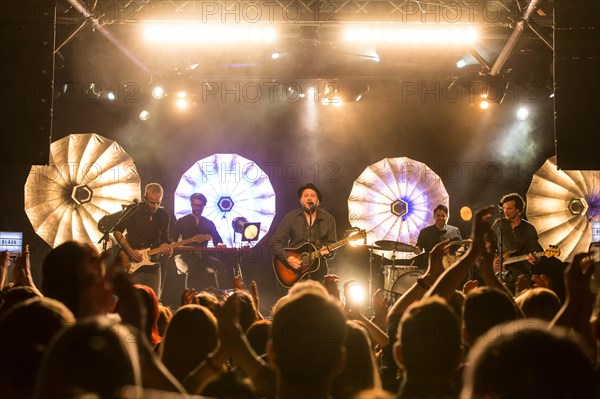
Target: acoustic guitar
<point>310,257</point>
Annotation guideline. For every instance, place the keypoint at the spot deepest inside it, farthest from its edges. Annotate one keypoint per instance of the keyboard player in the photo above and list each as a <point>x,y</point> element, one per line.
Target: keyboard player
<point>203,271</point>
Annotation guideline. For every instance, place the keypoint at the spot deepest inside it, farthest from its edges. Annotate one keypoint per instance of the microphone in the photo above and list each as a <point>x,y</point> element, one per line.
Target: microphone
<point>311,206</point>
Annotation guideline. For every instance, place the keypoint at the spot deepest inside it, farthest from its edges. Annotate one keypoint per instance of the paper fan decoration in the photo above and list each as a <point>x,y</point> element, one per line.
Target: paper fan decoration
<point>394,199</point>
<point>562,205</point>
<point>234,187</point>
<point>87,178</point>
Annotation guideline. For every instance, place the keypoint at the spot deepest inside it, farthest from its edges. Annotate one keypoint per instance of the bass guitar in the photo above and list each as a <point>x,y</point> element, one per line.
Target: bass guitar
<point>552,250</point>
<point>310,257</point>
<point>147,253</point>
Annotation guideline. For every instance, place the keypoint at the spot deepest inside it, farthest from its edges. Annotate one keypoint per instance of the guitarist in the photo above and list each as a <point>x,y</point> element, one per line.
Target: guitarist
<point>148,226</point>
<point>203,271</point>
<point>296,229</point>
<point>519,237</point>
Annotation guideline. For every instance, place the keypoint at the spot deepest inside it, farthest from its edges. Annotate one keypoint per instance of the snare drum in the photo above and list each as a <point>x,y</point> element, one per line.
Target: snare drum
<point>391,274</point>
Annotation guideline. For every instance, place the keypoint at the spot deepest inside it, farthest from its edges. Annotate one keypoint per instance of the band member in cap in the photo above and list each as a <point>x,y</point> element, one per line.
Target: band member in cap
<point>307,224</point>
<point>437,232</point>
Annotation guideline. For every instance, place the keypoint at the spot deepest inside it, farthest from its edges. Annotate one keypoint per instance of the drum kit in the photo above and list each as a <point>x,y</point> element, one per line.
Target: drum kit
<point>403,271</point>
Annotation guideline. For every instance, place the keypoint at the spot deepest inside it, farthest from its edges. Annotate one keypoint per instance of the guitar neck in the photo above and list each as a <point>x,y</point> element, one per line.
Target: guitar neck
<point>180,243</point>
<point>331,247</point>
<point>520,258</point>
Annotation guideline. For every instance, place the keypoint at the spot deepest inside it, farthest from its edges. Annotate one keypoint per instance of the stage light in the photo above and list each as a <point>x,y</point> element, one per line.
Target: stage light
<point>199,32</point>
<point>275,56</point>
<point>494,88</point>
<point>110,96</point>
<point>158,92</point>
<point>144,115</point>
<point>461,63</point>
<point>484,104</point>
<point>249,231</point>
<point>181,103</point>
<point>181,94</point>
<point>522,113</point>
<point>92,91</point>
<point>466,213</point>
<point>356,294</point>
<point>362,94</point>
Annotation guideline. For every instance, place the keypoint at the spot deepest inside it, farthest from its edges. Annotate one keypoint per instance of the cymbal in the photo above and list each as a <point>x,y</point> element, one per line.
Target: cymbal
<point>373,247</point>
<point>388,245</point>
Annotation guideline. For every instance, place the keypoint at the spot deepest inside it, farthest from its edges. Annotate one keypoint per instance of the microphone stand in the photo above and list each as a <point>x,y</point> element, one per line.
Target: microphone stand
<point>501,246</point>
<point>106,221</point>
<point>309,240</point>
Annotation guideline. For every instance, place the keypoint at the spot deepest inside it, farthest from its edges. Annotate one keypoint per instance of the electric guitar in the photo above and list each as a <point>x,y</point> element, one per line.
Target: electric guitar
<point>552,250</point>
<point>310,257</point>
<point>147,253</point>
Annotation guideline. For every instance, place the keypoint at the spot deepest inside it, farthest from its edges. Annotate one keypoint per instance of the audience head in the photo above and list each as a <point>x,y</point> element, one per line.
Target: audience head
<point>150,302</point>
<point>485,308</point>
<point>540,303</point>
<point>360,371</point>
<point>526,360</point>
<point>93,356</point>
<point>258,335</point>
<point>164,317</point>
<point>308,336</point>
<point>25,333</point>
<point>16,295</point>
<point>191,335</point>
<point>63,271</point>
<point>429,340</point>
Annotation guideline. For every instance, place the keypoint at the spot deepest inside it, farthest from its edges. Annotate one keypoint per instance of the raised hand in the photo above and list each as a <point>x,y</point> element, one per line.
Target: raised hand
<point>470,286</point>
<point>331,282</point>
<point>188,297</point>
<point>379,304</point>
<point>22,270</point>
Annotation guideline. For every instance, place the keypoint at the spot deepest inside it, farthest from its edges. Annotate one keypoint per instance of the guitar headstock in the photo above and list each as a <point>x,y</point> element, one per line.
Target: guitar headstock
<point>200,238</point>
<point>358,235</point>
<point>551,251</point>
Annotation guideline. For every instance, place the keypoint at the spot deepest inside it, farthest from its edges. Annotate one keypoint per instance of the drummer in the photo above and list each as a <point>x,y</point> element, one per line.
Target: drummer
<point>431,235</point>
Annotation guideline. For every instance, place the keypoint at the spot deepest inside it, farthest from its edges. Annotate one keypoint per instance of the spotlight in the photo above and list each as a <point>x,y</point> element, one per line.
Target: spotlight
<point>522,113</point>
<point>110,96</point>
<point>466,213</point>
<point>248,230</point>
<point>158,92</point>
<point>181,94</point>
<point>362,94</point>
<point>494,88</point>
<point>93,92</point>
<point>181,103</point>
<point>461,63</point>
<point>144,115</point>
<point>355,294</point>
<point>275,56</point>
<point>484,104</point>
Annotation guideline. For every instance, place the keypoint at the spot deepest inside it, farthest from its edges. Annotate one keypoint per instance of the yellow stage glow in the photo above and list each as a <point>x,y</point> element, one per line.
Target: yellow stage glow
<point>452,35</point>
<point>198,32</point>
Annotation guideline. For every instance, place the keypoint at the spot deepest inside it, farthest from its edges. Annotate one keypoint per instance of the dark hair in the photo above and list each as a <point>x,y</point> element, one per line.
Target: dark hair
<point>477,315</point>
<point>62,270</point>
<point>198,196</point>
<point>441,207</point>
<point>519,202</point>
